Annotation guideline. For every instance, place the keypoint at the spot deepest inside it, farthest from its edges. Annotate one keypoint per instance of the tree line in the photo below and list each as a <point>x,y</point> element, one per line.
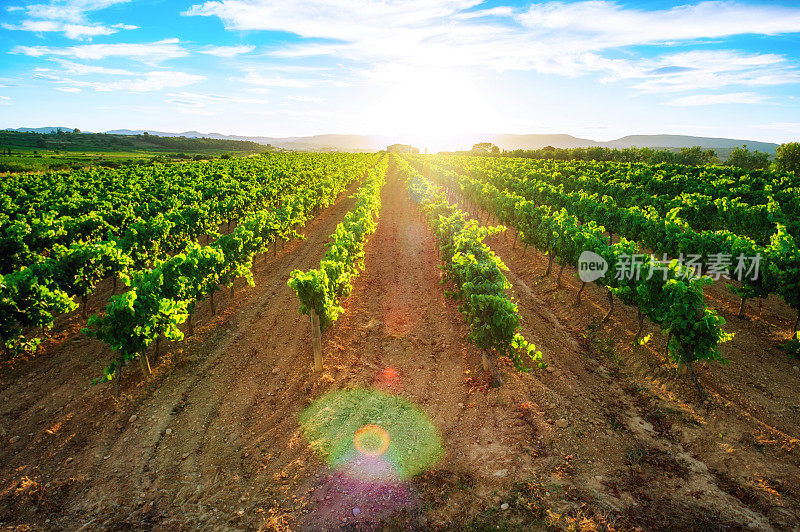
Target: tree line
<point>787,156</point>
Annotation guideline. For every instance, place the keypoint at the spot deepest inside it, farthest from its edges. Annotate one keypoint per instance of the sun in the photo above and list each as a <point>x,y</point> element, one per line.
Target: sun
<point>429,106</point>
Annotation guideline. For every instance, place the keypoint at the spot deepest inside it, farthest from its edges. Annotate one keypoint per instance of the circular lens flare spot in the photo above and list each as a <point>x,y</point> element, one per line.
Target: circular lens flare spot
<point>371,440</point>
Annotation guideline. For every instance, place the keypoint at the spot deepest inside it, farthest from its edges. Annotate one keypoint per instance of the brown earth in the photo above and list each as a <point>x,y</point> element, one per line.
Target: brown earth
<point>606,437</point>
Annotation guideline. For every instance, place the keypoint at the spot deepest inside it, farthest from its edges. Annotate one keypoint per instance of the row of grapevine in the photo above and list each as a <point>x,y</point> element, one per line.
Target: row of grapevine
<point>162,298</point>
<point>476,271</point>
<point>778,262</point>
<point>321,289</point>
<point>673,299</point>
<point>33,296</point>
<point>50,212</point>
<point>719,204</point>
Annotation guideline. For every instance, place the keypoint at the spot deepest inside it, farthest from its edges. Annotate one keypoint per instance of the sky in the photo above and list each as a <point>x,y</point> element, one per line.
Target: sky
<point>413,69</point>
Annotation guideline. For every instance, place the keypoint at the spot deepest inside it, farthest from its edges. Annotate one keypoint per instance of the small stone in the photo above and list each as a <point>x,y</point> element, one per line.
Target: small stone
<point>500,473</point>
<point>186,455</point>
<point>460,405</point>
<point>356,511</point>
<point>133,418</point>
<point>168,432</point>
<point>274,371</point>
<point>598,477</point>
<point>14,439</point>
<point>504,506</point>
<point>562,423</point>
<point>70,459</point>
<point>240,512</point>
<point>796,368</point>
<point>550,369</point>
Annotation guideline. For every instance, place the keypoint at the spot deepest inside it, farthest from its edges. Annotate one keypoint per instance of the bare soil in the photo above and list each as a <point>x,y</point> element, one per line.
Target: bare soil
<point>607,436</point>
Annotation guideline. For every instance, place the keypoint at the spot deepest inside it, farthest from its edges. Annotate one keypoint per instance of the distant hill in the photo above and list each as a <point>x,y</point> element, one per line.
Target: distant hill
<point>535,142</point>
<point>49,138</point>
<point>312,143</point>
<point>681,141</point>
<point>504,141</point>
<point>40,129</point>
<point>532,142</point>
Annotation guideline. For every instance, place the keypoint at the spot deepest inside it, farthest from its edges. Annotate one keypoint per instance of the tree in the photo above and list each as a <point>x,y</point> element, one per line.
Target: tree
<point>747,160</point>
<point>787,157</point>
<point>696,156</point>
<point>485,147</point>
<point>76,131</point>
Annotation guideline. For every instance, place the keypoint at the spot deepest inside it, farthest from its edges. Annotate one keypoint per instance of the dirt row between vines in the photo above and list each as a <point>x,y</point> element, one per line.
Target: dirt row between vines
<point>604,436</point>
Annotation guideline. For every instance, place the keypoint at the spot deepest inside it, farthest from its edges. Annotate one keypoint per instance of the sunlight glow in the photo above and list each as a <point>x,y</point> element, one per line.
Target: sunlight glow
<point>429,107</point>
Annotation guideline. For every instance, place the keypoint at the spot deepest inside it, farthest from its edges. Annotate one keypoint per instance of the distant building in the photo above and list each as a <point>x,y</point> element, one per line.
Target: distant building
<point>402,148</point>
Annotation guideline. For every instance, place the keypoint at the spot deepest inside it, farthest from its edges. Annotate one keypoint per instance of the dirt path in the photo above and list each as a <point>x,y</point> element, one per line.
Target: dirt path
<point>603,437</point>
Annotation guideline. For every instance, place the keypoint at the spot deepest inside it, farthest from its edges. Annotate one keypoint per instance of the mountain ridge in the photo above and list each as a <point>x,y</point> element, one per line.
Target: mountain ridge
<point>344,142</point>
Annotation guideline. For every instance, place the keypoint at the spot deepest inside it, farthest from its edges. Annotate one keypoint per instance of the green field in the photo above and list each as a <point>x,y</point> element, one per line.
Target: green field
<point>38,152</point>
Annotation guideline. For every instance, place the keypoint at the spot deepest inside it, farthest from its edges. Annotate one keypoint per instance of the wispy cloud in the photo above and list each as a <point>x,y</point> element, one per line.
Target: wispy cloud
<point>146,82</point>
<point>150,53</point>
<point>609,24</point>
<point>719,99</point>
<point>70,67</point>
<point>70,30</point>
<point>68,89</point>
<point>227,51</point>
<point>211,104</point>
<point>305,99</point>
<point>216,98</point>
<point>68,10</point>
<point>255,78</point>
<point>703,69</point>
<point>569,39</point>
<point>69,17</point>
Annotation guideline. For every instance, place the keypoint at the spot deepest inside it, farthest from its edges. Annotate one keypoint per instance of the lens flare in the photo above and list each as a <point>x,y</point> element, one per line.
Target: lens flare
<point>374,442</point>
<point>345,425</point>
<point>371,440</point>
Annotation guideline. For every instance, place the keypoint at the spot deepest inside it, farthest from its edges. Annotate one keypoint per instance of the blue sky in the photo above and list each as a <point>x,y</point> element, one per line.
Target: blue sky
<point>418,69</point>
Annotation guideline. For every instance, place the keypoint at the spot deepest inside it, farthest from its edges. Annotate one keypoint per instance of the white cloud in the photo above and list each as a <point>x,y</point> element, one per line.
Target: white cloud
<point>228,51</point>
<point>500,11</point>
<point>211,104</point>
<point>334,19</point>
<point>68,17</point>
<point>150,53</point>
<point>705,70</point>
<point>5,98</point>
<point>215,98</point>
<point>68,89</point>
<point>720,99</point>
<point>147,82</point>
<point>255,78</point>
<point>71,31</point>
<point>568,39</point>
<point>609,24</point>
<point>80,69</point>
<point>306,99</point>
<point>69,10</point>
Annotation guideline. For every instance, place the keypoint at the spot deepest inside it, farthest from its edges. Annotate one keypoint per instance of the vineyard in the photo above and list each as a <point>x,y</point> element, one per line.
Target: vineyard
<point>360,341</point>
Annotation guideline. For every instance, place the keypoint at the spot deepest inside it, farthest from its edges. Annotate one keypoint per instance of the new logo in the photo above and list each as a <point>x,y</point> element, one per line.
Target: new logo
<point>591,266</point>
